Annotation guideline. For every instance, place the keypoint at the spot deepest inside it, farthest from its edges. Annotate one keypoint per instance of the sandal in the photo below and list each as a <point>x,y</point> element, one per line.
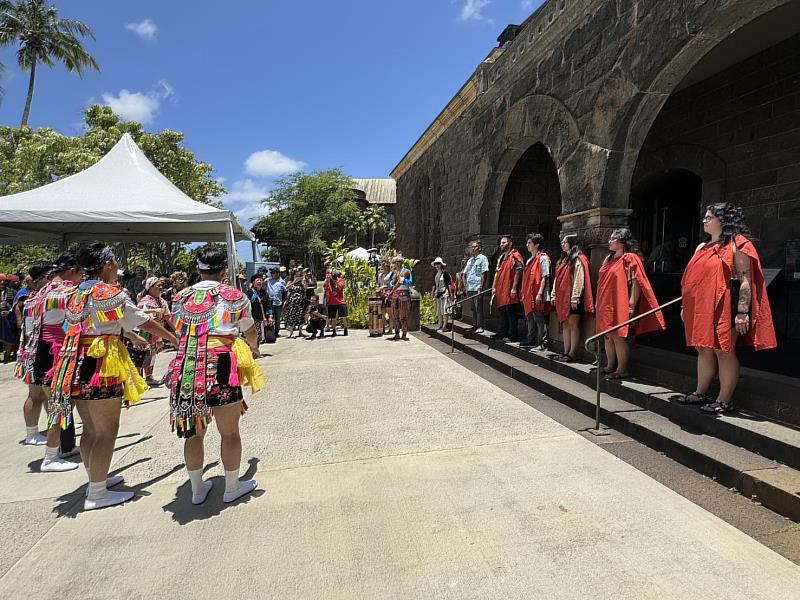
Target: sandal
<point>618,376</point>
<point>566,359</point>
<point>693,398</point>
<point>718,408</point>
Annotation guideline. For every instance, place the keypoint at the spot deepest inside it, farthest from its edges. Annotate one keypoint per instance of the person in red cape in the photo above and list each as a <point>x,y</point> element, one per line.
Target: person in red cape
<point>572,291</point>
<point>623,292</point>
<point>725,304</point>
<point>535,294</point>
<point>505,290</point>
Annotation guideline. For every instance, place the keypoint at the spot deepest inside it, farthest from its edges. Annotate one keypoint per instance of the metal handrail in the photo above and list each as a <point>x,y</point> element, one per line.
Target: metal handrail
<point>453,323</point>
<point>598,352</point>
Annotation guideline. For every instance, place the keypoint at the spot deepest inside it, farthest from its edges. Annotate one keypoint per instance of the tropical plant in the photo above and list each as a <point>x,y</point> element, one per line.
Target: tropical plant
<point>427,312</point>
<point>333,252</point>
<point>44,38</point>
<point>376,220</point>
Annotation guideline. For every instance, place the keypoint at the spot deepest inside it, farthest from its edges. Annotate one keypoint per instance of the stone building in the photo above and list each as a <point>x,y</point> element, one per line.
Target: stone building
<point>596,114</point>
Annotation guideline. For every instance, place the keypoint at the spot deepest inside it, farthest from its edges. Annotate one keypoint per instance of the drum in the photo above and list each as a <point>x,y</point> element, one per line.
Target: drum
<point>375,316</point>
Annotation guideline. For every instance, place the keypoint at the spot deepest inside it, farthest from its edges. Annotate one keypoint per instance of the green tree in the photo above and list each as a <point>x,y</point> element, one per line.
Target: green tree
<point>44,38</point>
<point>307,212</point>
<point>31,158</point>
<point>376,220</point>
<point>356,225</point>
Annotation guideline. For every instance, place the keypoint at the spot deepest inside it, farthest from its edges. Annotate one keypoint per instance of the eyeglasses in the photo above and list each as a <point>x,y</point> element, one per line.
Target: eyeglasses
<point>707,219</point>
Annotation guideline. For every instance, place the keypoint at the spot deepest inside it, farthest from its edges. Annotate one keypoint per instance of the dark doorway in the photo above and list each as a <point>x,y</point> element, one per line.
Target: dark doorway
<point>666,221</point>
<point>532,200</point>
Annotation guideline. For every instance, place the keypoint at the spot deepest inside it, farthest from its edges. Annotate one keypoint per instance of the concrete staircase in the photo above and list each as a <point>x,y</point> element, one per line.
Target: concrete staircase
<point>757,455</point>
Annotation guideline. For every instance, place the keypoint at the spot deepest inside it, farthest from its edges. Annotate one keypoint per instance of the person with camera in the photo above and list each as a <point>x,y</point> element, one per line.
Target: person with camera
<point>334,297</point>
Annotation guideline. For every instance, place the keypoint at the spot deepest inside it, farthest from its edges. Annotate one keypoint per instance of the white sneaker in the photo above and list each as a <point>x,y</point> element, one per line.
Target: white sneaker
<point>200,497</point>
<point>35,440</point>
<point>245,487</point>
<point>110,499</point>
<point>57,465</point>
<point>479,330</point>
<point>111,481</point>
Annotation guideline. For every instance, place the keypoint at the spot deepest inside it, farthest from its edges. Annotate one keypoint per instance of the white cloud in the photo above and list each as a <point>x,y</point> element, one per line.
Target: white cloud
<point>244,199</point>
<point>139,106</point>
<point>527,4</point>
<point>147,30</point>
<point>271,163</point>
<point>472,10</point>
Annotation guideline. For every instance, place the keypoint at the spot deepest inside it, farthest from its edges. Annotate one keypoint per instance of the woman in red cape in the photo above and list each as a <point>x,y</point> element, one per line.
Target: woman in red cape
<point>572,289</point>
<point>623,291</point>
<point>725,304</point>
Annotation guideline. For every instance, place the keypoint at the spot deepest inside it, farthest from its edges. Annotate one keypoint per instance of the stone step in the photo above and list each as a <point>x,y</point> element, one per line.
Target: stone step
<point>683,437</point>
<point>768,437</point>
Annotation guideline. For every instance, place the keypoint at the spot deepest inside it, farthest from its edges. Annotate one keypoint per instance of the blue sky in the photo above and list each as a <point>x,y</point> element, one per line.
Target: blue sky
<point>269,86</point>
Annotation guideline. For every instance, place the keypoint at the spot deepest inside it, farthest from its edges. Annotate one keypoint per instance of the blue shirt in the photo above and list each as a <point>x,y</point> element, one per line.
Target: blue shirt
<point>275,289</point>
<point>476,266</point>
<point>406,281</point>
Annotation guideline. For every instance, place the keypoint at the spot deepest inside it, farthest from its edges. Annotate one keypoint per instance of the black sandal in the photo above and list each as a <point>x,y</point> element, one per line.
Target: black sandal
<point>717,408</point>
<point>693,398</point>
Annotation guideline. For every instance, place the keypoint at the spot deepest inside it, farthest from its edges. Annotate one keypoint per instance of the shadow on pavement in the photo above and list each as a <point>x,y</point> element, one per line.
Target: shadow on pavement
<point>70,504</point>
<point>184,512</point>
<point>139,441</point>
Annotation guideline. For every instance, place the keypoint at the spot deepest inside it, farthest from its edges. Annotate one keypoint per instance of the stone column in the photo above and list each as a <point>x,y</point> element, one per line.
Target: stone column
<point>594,227</point>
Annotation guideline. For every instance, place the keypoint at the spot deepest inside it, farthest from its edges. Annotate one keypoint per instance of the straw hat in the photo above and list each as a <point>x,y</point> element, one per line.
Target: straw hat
<point>438,261</point>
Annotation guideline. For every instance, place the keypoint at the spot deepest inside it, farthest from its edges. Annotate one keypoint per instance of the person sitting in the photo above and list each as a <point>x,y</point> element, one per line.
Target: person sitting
<point>316,320</point>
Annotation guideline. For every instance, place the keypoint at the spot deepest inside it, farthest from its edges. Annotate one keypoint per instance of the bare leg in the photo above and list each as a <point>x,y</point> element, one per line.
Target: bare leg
<point>728,371</point>
<point>32,409</point>
<point>574,322</point>
<point>227,419</point>
<point>611,355</point>
<point>103,419</point>
<point>193,451</point>
<point>706,369</point>
<point>566,333</point>
<point>623,351</point>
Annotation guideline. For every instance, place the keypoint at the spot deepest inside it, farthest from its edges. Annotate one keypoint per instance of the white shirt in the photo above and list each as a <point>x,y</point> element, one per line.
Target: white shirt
<point>226,327</point>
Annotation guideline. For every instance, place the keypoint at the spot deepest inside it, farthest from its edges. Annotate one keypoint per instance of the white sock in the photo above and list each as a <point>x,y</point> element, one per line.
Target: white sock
<point>31,431</point>
<point>196,478</point>
<point>50,453</point>
<point>97,490</point>
<point>231,480</point>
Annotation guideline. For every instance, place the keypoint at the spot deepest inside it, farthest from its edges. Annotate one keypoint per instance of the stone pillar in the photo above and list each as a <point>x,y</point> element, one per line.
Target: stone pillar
<point>594,227</point>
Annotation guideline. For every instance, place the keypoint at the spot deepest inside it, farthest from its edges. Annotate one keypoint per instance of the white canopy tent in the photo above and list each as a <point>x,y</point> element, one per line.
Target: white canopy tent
<point>121,198</point>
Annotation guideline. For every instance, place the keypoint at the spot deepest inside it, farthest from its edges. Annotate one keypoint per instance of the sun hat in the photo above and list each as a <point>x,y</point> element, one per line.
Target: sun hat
<point>438,260</point>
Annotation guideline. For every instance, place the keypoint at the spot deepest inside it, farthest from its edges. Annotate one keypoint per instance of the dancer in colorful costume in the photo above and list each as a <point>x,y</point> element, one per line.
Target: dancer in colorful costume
<point>725,304</point>
<point>399,292</point>
<point>154,305</point>
<point>572,291</point>
<point>29,338</point>
<point>94,370</point>
<point>212,365</point>
<point>623,292</point>
<point>45,312</point>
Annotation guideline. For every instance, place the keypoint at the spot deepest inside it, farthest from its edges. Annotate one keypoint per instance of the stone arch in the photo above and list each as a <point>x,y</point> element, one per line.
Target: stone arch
<point>643,111</point>
<point>536,119</point>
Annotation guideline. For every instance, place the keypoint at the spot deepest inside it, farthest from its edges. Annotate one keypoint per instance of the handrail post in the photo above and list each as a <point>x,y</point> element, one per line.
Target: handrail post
<point>453,337</point>
<point>453,319</point>
<point>599,354</point>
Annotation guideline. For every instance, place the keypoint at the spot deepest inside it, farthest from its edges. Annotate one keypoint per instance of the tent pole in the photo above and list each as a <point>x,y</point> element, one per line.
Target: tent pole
<point>233,265</point>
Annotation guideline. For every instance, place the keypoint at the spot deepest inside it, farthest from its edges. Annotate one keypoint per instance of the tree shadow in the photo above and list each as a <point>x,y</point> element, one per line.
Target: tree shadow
<point>139,441</point>
<point>149,401</point>
<point>184,512</point>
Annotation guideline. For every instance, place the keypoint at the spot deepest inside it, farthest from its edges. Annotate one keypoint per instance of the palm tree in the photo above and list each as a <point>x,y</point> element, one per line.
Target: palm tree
<point>355,224</point>
<point>2,72</point>
<point>376,220</point>
<point>43,38</point>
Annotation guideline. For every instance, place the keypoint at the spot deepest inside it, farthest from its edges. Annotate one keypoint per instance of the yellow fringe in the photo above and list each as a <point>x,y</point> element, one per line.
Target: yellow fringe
<point>117,364</point>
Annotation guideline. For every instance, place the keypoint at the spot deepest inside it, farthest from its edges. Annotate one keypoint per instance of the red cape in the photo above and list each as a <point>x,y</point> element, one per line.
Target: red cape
<point>613,296</point>
<point>563,289</point>
<point>707,314</point>
<point>531,281</point>
<point>504,279</point>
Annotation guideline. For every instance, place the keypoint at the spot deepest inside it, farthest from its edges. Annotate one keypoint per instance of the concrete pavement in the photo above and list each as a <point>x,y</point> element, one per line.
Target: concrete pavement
<point>386,471</point>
